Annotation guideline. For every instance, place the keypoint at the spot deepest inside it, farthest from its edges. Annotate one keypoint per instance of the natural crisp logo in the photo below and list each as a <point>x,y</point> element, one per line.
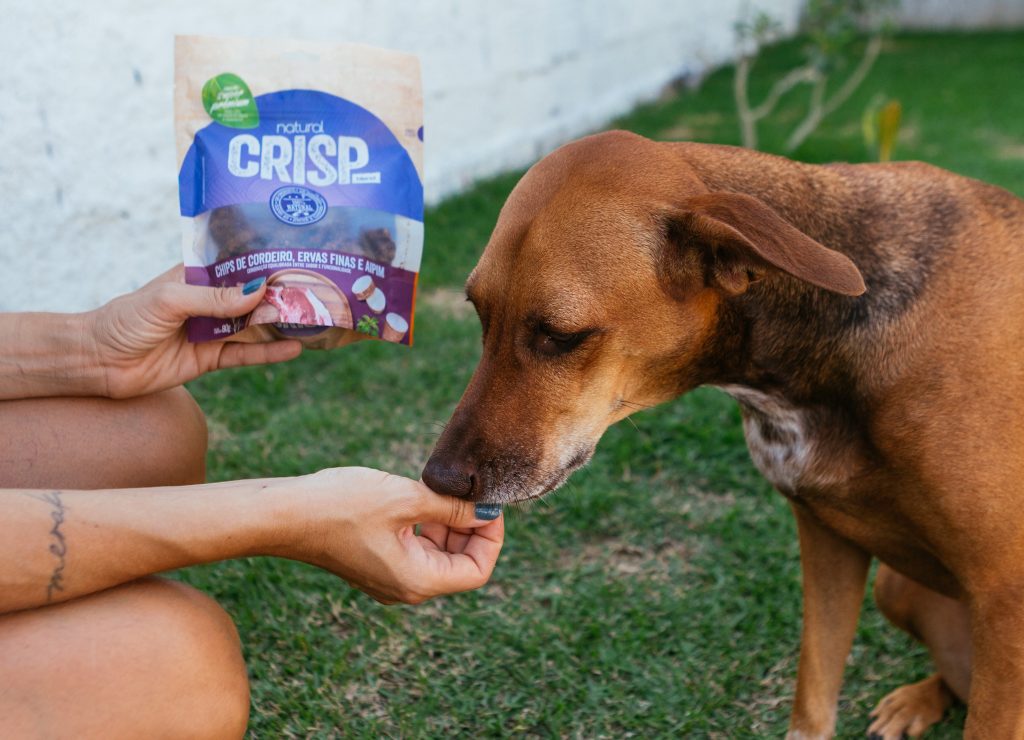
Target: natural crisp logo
<point>229,101</point>
<point>297,206</point>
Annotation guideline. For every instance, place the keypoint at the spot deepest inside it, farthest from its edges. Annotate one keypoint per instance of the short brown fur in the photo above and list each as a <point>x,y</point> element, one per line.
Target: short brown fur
<point>623,272</point>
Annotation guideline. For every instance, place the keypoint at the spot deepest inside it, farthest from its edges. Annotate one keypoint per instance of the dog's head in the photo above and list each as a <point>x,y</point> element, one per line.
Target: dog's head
<point>599,293</point>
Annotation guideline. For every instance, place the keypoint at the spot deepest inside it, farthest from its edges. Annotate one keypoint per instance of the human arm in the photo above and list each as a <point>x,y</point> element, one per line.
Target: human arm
<point>355,522</point>
<point>47,354</point>
<point>134,345</point>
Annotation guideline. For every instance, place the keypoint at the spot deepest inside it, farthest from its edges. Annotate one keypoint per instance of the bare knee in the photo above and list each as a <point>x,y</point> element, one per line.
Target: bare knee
<point>147,659</point>
<point>154,440</point>
<point>177,438</point>
<point>207,690</point>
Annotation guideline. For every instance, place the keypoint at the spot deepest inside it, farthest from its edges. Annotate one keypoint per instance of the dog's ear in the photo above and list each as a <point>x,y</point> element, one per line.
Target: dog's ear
<point>738,238</point>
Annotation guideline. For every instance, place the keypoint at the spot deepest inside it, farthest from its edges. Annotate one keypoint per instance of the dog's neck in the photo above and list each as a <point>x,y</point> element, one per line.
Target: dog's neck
<point>807,345</point>
<point>793,355</point>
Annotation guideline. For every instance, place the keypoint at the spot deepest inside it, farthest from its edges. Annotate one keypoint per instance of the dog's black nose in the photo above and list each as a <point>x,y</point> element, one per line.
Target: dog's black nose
<point>450,477</point>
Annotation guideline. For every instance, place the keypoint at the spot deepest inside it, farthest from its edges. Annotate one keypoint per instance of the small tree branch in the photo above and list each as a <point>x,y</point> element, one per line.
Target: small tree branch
<point>750,116</point>
<point>781,87</point>
<point>815,112</point>
<point>748,130</point>
<point>820,108</point>
<point>853,82</point>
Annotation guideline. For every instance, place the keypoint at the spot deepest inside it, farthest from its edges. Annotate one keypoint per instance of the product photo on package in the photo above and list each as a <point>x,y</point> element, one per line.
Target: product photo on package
<point>301,163</point>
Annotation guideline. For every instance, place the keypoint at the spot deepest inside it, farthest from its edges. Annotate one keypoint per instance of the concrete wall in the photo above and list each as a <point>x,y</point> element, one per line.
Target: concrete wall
<point>87,166</point>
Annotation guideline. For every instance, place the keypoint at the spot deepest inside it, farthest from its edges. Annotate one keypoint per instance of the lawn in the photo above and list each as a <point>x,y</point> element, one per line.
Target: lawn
<point>657,594</point>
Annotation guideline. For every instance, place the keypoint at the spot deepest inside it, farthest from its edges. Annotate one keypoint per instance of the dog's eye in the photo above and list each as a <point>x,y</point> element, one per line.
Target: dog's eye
<point>552,343</point>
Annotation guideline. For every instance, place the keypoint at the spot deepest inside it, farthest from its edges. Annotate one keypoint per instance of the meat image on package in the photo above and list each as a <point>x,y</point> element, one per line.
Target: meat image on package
<point>297,306</point>
<point>301,298</point>
<point>301,163</point>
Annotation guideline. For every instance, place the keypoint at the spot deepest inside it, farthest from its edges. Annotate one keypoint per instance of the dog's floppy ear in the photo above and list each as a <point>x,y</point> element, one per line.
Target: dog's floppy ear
<point>740,238</point>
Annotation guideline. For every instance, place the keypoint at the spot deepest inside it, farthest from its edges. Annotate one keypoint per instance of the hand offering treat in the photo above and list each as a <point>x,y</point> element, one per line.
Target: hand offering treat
<point>302,163</point>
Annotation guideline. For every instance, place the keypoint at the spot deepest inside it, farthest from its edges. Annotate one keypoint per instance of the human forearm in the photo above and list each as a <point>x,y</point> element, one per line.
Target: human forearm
<point>48,354</point>
<point>358,523</point>
<point>57,545</point>
<point>132,346</point>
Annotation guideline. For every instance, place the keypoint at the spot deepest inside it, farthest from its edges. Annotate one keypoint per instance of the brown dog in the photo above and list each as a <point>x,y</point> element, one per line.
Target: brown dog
<point>624,272</point>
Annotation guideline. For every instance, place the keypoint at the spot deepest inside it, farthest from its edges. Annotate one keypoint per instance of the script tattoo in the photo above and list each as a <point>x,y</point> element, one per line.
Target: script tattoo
<point>59,546</point>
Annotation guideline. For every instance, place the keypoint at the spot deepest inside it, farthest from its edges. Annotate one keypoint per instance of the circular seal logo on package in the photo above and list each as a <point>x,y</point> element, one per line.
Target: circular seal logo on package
<point>297,206</point>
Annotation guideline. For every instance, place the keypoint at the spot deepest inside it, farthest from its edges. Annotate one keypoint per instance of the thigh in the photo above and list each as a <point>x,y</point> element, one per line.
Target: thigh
<point>153,658</point>
<point>153,440</point>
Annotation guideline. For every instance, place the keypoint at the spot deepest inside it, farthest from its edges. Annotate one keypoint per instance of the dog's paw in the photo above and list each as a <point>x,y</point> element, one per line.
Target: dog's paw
<point>910,710</point>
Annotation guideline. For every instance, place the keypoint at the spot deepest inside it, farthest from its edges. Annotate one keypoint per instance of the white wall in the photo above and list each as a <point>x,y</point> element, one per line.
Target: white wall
<point>87,167</point>
<point>961,14</point>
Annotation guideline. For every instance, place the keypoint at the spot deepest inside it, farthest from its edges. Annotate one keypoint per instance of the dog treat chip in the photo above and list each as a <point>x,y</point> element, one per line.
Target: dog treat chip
<point>302,163</point>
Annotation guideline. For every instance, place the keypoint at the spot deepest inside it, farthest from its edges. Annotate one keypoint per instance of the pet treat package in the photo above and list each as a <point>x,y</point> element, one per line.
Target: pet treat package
<point>301,163</point>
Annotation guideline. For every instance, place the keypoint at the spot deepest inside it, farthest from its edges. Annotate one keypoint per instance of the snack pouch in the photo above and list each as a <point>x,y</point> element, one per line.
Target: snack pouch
<point>301,163</point>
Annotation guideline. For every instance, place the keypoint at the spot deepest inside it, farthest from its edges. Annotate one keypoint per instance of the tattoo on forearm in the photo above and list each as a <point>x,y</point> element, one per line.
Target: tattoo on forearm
<point>59,546</point>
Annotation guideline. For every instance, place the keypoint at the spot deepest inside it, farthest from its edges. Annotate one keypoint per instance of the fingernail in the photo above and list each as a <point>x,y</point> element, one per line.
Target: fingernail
<point>487,512</point>
<point>253,285</point>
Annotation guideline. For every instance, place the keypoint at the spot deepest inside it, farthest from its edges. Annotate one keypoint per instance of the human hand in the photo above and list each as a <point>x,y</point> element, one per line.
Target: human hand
<point>140,343</point>
<point>361,527</point>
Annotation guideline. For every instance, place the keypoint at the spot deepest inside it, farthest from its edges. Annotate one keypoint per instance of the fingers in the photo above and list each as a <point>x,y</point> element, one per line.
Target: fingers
<point>472,567</point>
<point>453,512</point>
<point>436,534</point>
<point>458,538</point>
<point>456,551</point>
<point>449,539</point>
<point>458,545</point>
<point>458,560</point>
<point>180,301</point>
<point>237,354</point>
<point>484,545</point>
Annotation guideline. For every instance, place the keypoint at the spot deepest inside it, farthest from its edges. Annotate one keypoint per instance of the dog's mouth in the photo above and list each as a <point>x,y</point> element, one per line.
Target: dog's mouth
<point>513,485</point>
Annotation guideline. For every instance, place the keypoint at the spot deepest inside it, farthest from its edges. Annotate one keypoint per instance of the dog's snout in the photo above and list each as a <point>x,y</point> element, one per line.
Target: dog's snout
<point>450,477</point>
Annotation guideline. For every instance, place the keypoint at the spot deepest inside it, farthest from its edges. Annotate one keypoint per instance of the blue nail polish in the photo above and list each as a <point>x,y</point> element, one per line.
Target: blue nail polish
<point>253,285</point>
<point>487,512</point>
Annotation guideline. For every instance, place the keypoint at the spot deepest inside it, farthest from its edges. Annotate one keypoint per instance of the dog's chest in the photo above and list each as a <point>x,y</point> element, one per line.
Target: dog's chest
<point>780,437</point>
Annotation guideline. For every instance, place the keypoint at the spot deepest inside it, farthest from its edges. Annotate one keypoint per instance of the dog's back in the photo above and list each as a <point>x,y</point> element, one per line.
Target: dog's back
<point>942,258</point>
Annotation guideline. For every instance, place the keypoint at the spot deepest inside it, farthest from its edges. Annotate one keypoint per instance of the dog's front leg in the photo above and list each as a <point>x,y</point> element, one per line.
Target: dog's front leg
<point>995,705</point>
<point>834,575</point>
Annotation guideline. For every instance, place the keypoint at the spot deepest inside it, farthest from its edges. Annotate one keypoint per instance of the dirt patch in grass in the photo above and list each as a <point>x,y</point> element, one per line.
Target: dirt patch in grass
<point>627,559</point>
<point>699,503</point>
<point>218,431</point>
<point>449,301</point>
<point>1002,145</point>
<point>412,451</point>
<point>696,126</point>
<point>773,695</point>
<point>1011,149</point>
<point>680,132</point>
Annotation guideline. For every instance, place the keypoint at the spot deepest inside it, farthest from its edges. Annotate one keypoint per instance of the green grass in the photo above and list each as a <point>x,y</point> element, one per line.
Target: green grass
<point>658,594</point>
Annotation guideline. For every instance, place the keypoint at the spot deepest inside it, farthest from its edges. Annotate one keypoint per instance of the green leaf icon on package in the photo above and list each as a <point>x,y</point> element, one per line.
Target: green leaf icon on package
<point>228,100</point>
<point>368,325</point>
